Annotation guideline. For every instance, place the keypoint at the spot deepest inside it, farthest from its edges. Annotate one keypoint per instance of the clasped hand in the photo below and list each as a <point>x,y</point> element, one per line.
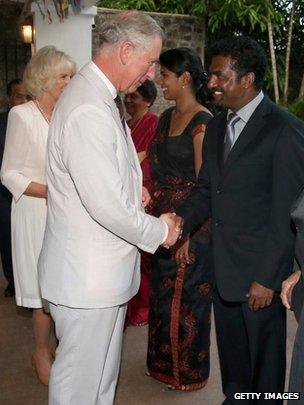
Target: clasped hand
<point>259,296</point>
<point>175,224</point>
<point>287,287</point>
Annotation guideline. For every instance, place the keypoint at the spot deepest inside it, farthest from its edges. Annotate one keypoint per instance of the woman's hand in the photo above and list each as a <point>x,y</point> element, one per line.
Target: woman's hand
<point>142,156</point>
<point>287,287</point>
<point>37,190</point>
<point>181,252</point>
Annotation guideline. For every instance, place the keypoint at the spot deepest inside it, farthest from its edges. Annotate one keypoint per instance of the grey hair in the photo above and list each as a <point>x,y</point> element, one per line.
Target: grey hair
<point>134,26</point>
<point>44,68</point>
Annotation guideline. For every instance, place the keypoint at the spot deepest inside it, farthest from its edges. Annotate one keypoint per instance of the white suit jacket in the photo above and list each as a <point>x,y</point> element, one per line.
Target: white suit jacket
<point>95,223</point>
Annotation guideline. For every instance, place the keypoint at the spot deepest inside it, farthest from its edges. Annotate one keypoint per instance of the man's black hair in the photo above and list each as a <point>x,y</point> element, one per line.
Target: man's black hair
<point>247,56</point>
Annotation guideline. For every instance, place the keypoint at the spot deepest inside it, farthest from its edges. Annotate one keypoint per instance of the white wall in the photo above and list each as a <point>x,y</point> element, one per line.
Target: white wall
<point>73,35</point>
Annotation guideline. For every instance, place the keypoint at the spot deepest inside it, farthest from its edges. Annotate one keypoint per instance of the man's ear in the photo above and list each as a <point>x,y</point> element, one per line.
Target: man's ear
<point>126,49</point>
<point>248,80</point>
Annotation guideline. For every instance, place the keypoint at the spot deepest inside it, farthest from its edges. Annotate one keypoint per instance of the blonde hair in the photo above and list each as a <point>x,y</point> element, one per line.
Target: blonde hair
<point>44,69</point>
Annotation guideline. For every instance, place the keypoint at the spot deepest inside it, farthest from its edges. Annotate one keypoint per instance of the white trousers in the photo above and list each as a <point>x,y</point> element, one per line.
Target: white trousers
<point>87,362</point>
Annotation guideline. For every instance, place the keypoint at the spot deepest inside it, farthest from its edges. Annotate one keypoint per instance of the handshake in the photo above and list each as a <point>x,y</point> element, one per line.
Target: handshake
<point>175,228</point>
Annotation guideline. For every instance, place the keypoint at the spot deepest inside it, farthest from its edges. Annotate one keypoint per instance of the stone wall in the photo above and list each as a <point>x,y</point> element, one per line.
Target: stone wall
<point>180,30</point>
<point>14,54</point>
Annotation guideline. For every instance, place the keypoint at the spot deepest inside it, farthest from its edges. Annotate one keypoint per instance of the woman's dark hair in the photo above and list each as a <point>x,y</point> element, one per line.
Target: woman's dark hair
<point>180,60</point>
<point>11,84</point>
<point>148,91</point>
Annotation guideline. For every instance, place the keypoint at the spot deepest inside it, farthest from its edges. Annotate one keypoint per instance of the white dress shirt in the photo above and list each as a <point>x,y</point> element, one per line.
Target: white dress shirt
<point>245,113</point>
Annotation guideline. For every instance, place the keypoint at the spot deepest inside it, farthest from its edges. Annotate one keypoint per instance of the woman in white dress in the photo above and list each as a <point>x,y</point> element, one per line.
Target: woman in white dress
<point>23,173</point>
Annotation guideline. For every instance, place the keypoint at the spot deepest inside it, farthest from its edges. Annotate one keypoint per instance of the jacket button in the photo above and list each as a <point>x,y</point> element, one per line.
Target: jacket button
<point>218,223</point>
<point>218,190</point>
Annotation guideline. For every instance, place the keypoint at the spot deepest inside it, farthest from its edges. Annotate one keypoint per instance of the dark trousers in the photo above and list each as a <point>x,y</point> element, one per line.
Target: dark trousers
<point>6,250</point>
<point>252,349</point>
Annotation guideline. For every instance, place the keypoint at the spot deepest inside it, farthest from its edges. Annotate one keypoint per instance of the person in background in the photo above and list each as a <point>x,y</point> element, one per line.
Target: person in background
<point>16,95</point>
<point>143,125</point>
<point>292,296</point>
<point>180,301</point>
<point>23,173</point>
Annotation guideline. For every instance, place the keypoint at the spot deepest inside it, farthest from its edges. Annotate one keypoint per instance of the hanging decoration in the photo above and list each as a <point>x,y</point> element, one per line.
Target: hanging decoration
<point>62,8</point>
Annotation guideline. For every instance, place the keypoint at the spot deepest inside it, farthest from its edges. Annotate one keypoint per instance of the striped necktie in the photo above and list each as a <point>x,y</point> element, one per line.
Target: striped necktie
<point>229,139</point>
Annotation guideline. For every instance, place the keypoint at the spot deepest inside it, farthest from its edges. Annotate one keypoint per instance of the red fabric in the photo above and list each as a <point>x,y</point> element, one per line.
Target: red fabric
<point>142,134</point>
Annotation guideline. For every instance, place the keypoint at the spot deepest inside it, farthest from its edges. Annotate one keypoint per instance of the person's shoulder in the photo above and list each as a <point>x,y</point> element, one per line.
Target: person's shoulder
<point>202,116</point>
<point>214,120</point>
<point>23,110</point>
<point>281,115</point>
<point>151,117</point>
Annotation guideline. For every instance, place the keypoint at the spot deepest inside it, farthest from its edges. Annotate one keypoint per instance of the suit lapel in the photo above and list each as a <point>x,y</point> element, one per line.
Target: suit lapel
<point>249,132</point>
<point>127,140</point>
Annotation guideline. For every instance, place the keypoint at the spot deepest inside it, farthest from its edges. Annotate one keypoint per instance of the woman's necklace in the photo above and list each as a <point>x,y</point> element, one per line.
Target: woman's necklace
<point>44,115</point>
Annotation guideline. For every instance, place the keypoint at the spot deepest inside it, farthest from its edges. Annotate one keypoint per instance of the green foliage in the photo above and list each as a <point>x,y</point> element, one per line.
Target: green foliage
<point>297,108</point>
<point>144,5</point>
<point>247,17</point>
<point>240,13</point>
<point>280,58</point>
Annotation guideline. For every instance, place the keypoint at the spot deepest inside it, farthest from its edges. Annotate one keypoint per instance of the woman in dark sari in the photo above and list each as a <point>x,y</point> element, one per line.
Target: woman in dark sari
<point>180,301</point>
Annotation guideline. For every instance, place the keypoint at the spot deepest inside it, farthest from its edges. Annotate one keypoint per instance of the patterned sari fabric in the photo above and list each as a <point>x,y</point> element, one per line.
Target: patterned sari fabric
<point>142,132</point>
<point>180,300</point>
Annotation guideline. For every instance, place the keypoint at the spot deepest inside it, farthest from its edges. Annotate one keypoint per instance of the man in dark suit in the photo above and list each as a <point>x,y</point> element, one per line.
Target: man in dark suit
<point>253,169</point>
<point>15,95</point>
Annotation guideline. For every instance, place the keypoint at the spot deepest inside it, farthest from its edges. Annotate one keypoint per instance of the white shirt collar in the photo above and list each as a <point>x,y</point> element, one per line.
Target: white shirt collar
<point>104,78</point>
<point>246,112</point>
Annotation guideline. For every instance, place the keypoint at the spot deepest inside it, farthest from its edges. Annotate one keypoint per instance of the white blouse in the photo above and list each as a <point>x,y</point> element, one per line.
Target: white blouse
<point>24,152</point>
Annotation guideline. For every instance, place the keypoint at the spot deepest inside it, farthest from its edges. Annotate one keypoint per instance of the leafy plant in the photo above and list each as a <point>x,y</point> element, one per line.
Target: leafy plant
<point>297,108</point>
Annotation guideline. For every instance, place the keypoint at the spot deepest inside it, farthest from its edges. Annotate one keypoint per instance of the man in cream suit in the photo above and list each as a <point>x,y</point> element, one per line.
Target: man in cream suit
<point>89,263</point>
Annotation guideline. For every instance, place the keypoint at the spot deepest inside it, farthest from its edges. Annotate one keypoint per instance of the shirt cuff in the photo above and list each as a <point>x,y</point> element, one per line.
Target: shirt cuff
<point>166,232</point>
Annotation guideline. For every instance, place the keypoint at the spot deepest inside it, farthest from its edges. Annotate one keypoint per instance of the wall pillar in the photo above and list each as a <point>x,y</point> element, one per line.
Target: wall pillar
<point>72,36</point>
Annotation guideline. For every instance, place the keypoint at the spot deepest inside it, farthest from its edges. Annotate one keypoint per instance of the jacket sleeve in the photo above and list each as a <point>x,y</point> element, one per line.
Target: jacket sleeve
<point>91,160</point>
<point>287,181</point>
<point>17,145</point>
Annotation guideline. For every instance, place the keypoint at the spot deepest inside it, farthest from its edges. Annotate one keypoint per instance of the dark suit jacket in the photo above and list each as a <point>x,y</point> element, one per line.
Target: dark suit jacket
<point>250,198</point>
<point>5,195</point>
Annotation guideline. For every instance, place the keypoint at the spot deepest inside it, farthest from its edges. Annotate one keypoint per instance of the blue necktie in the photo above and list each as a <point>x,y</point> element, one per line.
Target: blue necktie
<point>229,139</point>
